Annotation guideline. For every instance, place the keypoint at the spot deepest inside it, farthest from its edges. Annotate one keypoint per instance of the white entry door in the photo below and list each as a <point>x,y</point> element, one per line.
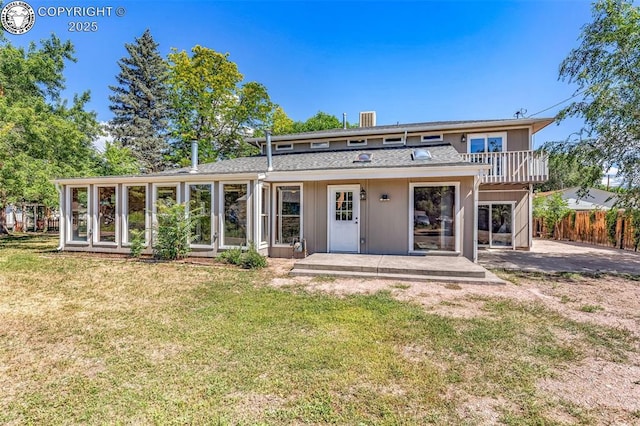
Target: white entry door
<point>344,219</point>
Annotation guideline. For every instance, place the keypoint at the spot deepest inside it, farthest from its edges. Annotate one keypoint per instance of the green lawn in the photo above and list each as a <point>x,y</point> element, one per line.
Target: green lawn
<point>90,340</point>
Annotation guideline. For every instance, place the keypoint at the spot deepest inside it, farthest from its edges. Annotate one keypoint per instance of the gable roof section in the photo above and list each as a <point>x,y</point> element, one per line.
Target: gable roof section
<point>537,124</point>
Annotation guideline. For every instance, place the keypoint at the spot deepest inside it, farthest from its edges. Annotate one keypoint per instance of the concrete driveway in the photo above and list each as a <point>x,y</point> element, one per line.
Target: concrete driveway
<point>561,256</point>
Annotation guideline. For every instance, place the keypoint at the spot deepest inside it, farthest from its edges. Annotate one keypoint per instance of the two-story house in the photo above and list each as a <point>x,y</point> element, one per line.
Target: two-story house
<point>441,188</point>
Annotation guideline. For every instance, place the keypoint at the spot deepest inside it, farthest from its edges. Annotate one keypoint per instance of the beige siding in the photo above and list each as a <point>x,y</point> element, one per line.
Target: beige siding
<point>384,225</point>
<point>518,195</point>
<point>518,140</point>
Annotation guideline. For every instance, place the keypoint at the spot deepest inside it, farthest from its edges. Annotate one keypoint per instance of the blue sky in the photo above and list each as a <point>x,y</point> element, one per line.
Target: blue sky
<point>408,61</point>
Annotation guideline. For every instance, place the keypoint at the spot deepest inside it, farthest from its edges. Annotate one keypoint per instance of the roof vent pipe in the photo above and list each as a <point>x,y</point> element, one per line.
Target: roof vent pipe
<point>269,158</point>
<point>194,156</point>
<point>344,120</point>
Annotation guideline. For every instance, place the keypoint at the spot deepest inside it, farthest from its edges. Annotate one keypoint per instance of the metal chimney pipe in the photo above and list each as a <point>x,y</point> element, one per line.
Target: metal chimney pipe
<point>344,120</point>
<point>269,158</point>
<point>194,156</point>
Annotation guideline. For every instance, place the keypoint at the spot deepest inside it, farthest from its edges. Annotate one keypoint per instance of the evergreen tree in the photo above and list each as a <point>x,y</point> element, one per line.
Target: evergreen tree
<point>140,104</point>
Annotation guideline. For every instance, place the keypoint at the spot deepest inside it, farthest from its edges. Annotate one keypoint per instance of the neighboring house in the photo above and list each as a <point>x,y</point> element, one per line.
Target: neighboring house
<point>592,199</point>
<point>441,188</point>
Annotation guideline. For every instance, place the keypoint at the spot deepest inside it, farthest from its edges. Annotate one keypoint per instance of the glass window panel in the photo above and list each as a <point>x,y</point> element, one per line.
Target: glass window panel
<point>136,207</point>
<point>200,209</point>
<point>344,205</point>
<point>107,214</point>
<point>483,225</point>
<point>79,203</point>
<point>476,145</point>
<point>288,217</point>
<point>167,195</point>
<point>235,214</point>
<point>494,144</point>
<point>264,215</point>
<point>501,225</point>
<point>434,218</point>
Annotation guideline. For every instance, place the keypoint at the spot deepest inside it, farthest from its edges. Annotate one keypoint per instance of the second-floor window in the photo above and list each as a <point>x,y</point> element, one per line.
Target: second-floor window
<point>486,147</point>
<point>487,142</point>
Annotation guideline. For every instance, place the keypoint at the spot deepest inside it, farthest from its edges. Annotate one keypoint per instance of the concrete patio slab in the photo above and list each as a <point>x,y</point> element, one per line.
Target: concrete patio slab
<point>406,268</point>
<point>549,256</point>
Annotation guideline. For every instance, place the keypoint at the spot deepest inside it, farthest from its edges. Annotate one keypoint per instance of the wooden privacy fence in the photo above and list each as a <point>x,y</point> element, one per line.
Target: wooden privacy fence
<point>590,227</point>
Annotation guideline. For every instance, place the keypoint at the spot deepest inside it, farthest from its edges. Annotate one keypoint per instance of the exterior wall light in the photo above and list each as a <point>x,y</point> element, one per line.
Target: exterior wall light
<point>363,194</point>
<point>385,197</point>
<point>463,138</point>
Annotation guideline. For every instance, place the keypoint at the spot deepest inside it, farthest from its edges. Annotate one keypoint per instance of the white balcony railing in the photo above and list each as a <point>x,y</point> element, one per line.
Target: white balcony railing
<point>512,166</point>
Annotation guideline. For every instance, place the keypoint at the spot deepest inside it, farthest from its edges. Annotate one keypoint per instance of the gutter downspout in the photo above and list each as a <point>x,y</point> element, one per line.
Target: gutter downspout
<point>405,137</point>
<point>61,222</point>
<point>269,157</point>
<point>194,156</point>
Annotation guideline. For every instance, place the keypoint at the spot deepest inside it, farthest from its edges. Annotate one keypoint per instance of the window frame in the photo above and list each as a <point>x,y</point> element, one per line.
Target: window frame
<point>457,212</point>
<point>222,214</point>
<point>154,199</point>
<point>490,204</point>
<point>125,213</point>
<point>284,146</point>
<point>96,217</point>
<point>440,137</point>
<point>357,142</point>
<point>275,209</point>
<point>187,201</point>
<point>264,187</point>
<point>320,145</point>
<point>486,137</point>
<point>401,141</point>
<point>69,219</point>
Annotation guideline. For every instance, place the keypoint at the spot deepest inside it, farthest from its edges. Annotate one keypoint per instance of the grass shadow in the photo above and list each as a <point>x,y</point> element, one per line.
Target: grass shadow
<point>31,242</point>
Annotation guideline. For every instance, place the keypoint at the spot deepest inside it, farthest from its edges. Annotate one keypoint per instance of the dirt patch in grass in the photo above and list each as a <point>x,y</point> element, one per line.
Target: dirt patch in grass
<point>595,389</point>
<point>607,385</point>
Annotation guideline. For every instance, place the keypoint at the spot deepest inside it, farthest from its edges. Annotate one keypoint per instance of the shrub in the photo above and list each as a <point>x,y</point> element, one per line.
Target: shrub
<point>611,220</point>
<point>251,259</point>
<point>231,256</point>
<point>552,209</point>
<point>172,232</point>
<point>137,243</point>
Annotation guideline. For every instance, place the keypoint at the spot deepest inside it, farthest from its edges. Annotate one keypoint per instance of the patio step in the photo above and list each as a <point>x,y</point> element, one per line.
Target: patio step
<point>386,266</point>
<point>490,278</point>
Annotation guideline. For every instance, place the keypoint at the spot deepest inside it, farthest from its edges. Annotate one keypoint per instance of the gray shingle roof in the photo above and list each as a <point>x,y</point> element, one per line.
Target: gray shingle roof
<point>332,160</point>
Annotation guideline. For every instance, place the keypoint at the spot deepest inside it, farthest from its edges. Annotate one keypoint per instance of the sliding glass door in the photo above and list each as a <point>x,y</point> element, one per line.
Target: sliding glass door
<point>495,225</point>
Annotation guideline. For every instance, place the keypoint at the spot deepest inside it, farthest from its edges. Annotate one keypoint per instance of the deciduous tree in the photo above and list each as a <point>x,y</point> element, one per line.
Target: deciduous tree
<point>567,170</point>
<point>320,121</point>
<point>212,105</point>
<point>40,136</point>
<point>605,67</point>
